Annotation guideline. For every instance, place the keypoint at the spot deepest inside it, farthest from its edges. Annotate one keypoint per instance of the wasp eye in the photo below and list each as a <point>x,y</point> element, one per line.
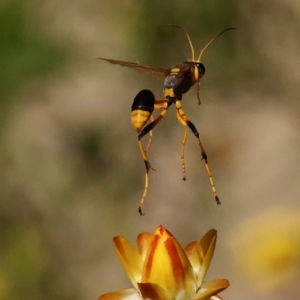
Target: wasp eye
<point>201,68</point>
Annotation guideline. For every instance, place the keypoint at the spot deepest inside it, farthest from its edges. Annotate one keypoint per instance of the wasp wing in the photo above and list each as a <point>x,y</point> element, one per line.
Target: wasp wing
<point>146,69</point>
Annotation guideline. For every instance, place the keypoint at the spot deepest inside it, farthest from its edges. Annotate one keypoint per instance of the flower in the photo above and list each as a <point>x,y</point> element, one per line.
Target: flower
<point>273,260</point>
<point>161,270</point>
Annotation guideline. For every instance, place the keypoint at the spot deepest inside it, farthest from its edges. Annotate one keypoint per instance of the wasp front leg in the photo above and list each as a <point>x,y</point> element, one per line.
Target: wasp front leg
<point>141,111</point>
<point>198,93</point>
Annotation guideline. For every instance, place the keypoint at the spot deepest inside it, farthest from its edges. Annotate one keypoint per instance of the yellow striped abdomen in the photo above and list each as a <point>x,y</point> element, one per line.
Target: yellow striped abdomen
<point>142,108</point>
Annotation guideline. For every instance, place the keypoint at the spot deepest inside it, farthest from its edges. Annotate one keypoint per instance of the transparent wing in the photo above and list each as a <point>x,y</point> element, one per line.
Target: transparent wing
<point>146,69</point>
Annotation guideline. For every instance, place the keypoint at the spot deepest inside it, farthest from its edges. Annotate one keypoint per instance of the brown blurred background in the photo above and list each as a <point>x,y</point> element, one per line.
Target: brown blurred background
<point>71,171</point>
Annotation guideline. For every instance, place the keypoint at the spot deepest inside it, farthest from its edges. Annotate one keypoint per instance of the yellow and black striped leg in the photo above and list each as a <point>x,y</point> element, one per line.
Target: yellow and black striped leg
<point>184,120</point>
<point>144,131</point>
<point>182,153</point>
<point>150,136</point>
<point>148,167</point>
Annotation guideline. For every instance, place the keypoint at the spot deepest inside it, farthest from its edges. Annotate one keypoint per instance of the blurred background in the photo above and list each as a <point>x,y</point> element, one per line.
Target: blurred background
<point>71,170</point>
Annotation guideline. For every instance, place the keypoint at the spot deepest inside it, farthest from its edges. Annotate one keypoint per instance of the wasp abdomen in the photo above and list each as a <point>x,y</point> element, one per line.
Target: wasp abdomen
<point>142,108</point>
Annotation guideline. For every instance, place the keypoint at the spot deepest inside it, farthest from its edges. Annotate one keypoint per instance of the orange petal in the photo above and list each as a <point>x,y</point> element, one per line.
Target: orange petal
<point>144,241</point>
<point>206,249</point>
<point>130,259</point>
<point>211,288</point>
<point>167,265</point>
<point>129,294</point>
<point>153,291</point>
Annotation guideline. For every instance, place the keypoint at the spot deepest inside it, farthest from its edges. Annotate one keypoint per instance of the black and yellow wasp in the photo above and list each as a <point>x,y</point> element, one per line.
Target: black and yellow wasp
<point>178,80</point>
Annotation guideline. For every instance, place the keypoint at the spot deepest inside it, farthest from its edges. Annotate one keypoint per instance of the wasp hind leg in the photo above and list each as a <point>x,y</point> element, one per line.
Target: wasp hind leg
<point>150,136</point>
<point>184,120</point>
<point>147,129</point>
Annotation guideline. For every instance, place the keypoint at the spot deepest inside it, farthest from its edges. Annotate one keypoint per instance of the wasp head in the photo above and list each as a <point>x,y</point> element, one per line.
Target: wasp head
<point>197,70</point>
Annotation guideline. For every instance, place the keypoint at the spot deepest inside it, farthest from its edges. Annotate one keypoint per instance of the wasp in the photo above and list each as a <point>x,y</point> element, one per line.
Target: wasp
<point>179,79</point>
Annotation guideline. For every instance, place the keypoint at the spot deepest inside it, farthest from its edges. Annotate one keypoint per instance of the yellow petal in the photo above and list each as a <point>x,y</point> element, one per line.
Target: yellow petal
<point>211,288</point>
<point>144,241</point>
<point>129,294</point>
<point>153,291</point>
<point>206,251</point>
<point>200,254</point>
<point>191,250</point>
<point>167,265</point>
<point>130,259</point>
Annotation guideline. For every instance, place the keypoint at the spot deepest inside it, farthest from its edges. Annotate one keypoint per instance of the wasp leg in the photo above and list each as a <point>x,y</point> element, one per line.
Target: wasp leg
<point>198,93</point>
<point>144,131</point>
<point>184,120</point>
<point>182,153</point>
<point>159,104</point>
<point>148,167</point>
<point>150,136</point>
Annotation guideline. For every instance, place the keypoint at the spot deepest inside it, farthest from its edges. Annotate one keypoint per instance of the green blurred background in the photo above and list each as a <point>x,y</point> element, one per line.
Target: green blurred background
<point>71,171</point>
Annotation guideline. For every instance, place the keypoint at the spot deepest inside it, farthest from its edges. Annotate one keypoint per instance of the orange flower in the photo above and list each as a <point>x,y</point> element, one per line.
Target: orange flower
<point>161,270</point>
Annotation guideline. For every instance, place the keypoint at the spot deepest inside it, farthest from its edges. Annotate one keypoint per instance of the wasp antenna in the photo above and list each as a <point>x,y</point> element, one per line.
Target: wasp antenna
<point>188,37</point>
<point>211,41</point>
